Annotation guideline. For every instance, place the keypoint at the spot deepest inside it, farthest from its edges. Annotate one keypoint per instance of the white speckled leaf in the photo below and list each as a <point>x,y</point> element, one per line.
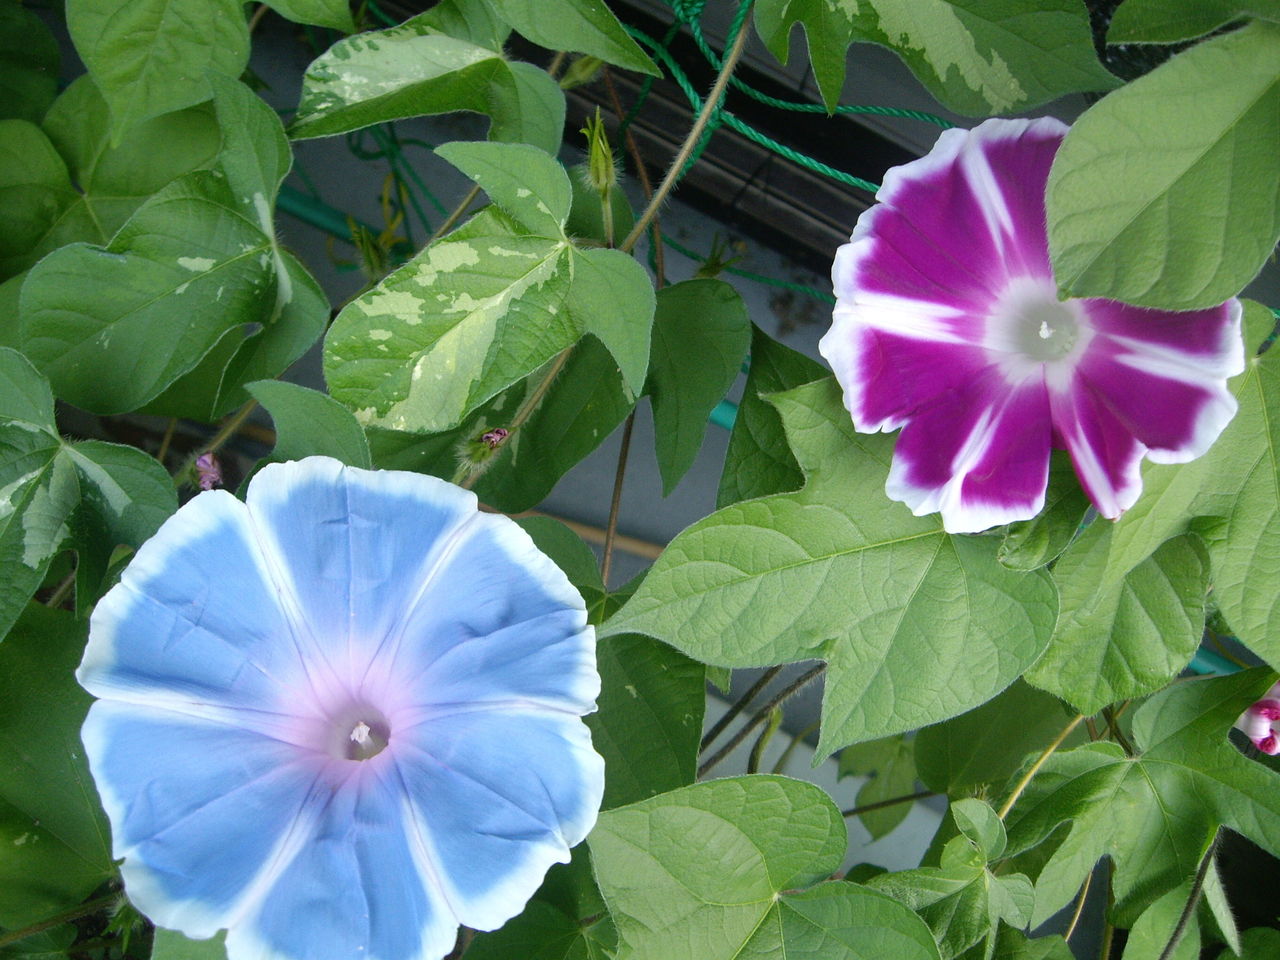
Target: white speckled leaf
<point>979,57</point>
<point>448,330</point>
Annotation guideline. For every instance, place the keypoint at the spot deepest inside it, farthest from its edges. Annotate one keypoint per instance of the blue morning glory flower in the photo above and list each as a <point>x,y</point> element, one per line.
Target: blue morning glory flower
<point>341,718</point>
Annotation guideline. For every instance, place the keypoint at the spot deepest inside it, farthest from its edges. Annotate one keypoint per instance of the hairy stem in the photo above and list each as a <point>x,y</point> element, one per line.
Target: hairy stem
<point>230,426</point>
<point>738,706</point>
<point>454,217</point>
<point>891,802</point>
<point>1075,916</point>
<point>760,717</point>
<point>709,108</point>
<point>615,502</point>
<point>1193,901</point>
<point>1035,767</point>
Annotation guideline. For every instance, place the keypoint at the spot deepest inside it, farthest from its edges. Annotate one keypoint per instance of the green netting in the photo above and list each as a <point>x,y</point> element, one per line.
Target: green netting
<point>408,196</point>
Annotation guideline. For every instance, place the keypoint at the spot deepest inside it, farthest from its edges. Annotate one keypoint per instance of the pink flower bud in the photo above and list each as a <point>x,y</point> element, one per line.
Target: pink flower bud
<point>209,471</point>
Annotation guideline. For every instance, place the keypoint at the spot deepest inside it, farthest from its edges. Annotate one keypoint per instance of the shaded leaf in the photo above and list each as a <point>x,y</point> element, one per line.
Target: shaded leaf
<point>308,423</point>
<point>700,334</point>
<point>149,57</point>
<point>759,462</point>
<point>54,840</point>
<point>28,64</point>
<point>334,14</point>
<point>582,26</point>
<point>1170,21</point>
<point>891,768</point>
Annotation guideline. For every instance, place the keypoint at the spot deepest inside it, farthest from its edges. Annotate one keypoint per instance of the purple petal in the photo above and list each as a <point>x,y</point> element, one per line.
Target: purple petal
<point>980,459</point>
<point>498,799</point>
<point>1105,454</point>
<point>888,377</point>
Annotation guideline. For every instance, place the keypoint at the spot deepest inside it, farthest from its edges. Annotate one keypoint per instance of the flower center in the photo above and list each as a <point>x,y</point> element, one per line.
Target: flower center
<point>1047,330</point>
<point>359,733</point>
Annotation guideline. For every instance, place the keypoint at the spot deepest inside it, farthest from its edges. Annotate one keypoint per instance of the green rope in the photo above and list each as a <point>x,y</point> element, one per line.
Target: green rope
<point>726,118</point>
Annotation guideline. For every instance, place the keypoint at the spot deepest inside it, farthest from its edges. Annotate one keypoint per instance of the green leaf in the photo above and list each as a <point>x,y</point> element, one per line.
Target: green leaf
<point>149,57</point>
<point>1014,945</point>
<point>890,764</point>
<point>527,184</point>
<point>1171,21</point>
<point>581,26</point>
<point>334,14</point>
<point>1260,943</point>
<point>1215,905</point>
<point>583,406</point>
<point>1164,194</point>
<point>416,69</point>
<point>171,945</point>
<point>700,334</point>
<point>649,721</point>
<point>308,423</point>
<point>1131,636</point>
<point>1151,933</point>
<point>113,181</point>
<point>978,57</point>
<point>28,64</point>
<point>102,324</point>
<point>758,461</point>
<point>255,153</point>
<point>125,494</point>
<point>718,870</point>
<point>568,551</point>
<point>52,944</point>
<point>962,901</point>
<point>613,297</point>
<point>989,744</point>
<point>890,601</point>
<point>529,109</point>
<point>34,191</point>
<point>977,821</point>
<point>1029,544</point>
<point>540,932</point>
<point>1154,812</point>
<point>54,840</point>
<point>470,20</point>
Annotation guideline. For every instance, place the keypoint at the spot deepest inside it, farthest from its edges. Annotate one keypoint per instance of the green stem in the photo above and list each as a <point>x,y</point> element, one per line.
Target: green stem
<point>615,503</point>
<point>1035,767</point>
<point>1075,916</point>
<point>1193,901</point>
<point>454,217</point>
<point>229,428</point>
<point>760,717</point>
<point>799,738</point>
<point>1109,929</point>
<point>75,913</point>
<point>691,142</point>
<point>738,706</point>
<point>757,749</point>
<point>891,802</point>
<point>524,413</point>
<point>61,590</point>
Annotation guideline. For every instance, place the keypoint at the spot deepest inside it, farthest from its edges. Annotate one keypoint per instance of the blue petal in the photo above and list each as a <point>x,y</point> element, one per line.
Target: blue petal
<point>197,809</point>
<point>354,545</point>
<point>497,799</point>
<point>195,618</point>
<point>499,622</point>
<point>353,889</point>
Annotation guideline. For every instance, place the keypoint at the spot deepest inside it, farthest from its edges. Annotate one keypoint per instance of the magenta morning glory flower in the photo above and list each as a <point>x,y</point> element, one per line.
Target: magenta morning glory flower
<point>1259,722</point>
<point>947,324</point>
<point>341,718</point>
